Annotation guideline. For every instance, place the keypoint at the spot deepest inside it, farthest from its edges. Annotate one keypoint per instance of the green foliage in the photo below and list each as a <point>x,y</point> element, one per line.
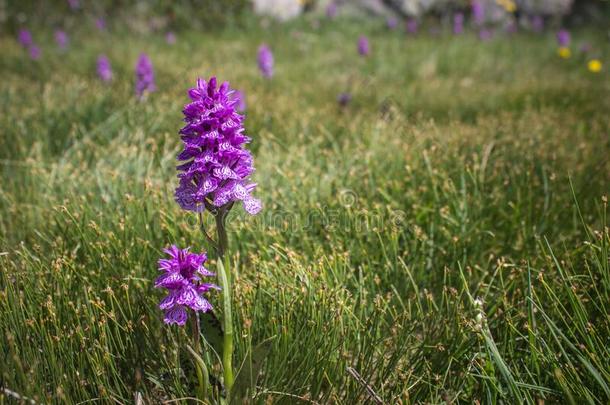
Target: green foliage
<point>460,171</point>
<point>245,382</point>
<point>208,15</point>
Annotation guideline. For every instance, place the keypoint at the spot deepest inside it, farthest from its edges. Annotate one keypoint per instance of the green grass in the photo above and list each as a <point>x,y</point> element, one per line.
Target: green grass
<point>461,171</point>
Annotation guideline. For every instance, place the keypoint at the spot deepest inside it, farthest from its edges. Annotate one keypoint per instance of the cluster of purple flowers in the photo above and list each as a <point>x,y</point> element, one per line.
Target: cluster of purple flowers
<point>458,23</point>
<point>478,12</point>
<point>331,10</point>
<point>213,175</point>
<point>364,47</point>
<point>170,38</point>
<point>104,70</point>
<point>35,52</point>
<point>563,38</point>
<point>61,38</point>
<point>344,99</point>
<point>265,61</point>
<point>216,165</point>
<point>145,76</point>
<point>182,277</point>
<point>412,26</point>
<point>25,40</point>
<point>100,23</point>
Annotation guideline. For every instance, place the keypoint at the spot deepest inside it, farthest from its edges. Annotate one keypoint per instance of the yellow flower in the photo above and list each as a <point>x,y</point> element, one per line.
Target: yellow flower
<point>508,5</point>
<point>594,65</point>
<point>564,52</point>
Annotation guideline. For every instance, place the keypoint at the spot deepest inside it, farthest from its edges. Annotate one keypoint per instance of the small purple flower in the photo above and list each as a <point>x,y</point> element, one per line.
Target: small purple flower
<point>512,27</point>
<point>585,47</point>
<point>265,61</point>
<point>478,12</point>
<point>74,4</point>
<point>485,34</point>
<point>458,23</point>
<point>344,99</point>
<point>412,26</point>
<point>537,23</point>
<point>61,38</point>
<point>182,278</point>
<point>104,70</point>
<point>240,100</point>
<point>35,52</point>
<point>145,76</point>
<point>216,165</point>
<point>100,23</point>
<point>25,38</point>
<point>563,38</point>
<point>170,38</point>
<point>364,48</point>
<point>391,23</point>
<point>331,10</point>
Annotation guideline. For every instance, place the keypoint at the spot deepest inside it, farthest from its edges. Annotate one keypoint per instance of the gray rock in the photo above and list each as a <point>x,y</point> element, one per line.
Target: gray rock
<point>545,7</point>
<point>280,9</point>
<point>494,13</point>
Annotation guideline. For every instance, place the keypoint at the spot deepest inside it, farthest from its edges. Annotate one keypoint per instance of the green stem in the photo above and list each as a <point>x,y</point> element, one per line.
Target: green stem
<point>227,351</point>
<point>221,231</point>
<point>222,243</point>
<point>202,372</point>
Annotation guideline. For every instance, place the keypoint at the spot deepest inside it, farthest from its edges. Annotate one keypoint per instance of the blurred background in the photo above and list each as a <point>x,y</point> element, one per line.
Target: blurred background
<point>153,15</point>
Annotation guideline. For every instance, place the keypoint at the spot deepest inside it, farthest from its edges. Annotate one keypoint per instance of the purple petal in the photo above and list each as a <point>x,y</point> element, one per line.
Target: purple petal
<point>176,315</point>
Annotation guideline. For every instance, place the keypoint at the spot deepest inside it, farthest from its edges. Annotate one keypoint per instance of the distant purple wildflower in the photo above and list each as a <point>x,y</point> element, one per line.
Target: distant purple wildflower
<point>100,23</point>
<point>61,38</point>
<point>217,166</point>
<point>344,99</point>
<point>412,26</point>
<point>182,277</point>
<point>145,76</point>
<point>364,47</point>
<point>537,23</point>
<point>585,47</point>
<point>25,38</point>
<point>170,37</point>
<point>512,27</point>
<point>458,23</point>
<point>391,23</point>
<point>563,38</point>
<point>478,12</point>
<point>485,34</point>
<point>240,100</point>
<point>35,52</point>
<point>74,4</point>
<point>265,61</point>
<point>331,10</point>
<point>104,70</point>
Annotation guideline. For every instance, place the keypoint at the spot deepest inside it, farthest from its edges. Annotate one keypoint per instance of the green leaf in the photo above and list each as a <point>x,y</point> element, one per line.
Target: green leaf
<point>202,374</point>
<point>211,329</point>
<point>245,382</point>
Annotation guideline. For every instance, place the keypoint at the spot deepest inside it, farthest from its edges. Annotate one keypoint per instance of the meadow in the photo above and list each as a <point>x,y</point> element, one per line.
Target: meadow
<point>441,239</point>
